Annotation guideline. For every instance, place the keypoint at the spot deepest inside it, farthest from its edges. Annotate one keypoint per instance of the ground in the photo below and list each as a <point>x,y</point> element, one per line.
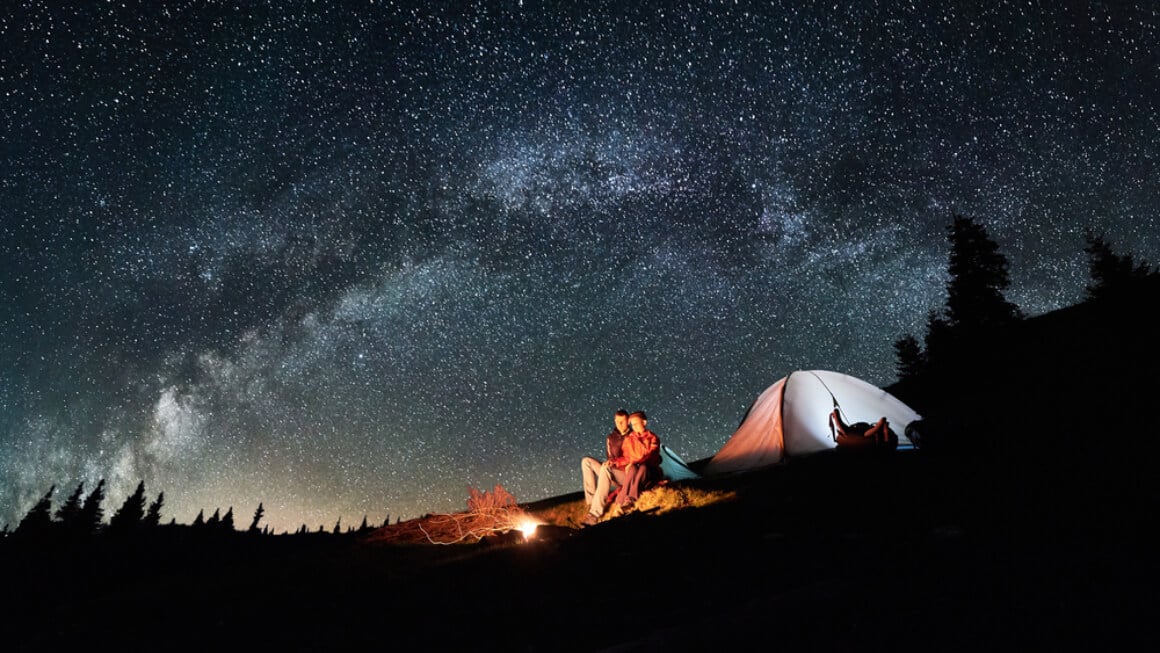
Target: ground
<point>827,553</point>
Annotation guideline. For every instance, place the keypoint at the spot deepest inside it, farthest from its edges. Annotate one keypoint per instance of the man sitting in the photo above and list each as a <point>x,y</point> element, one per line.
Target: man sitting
<point>602,479</point>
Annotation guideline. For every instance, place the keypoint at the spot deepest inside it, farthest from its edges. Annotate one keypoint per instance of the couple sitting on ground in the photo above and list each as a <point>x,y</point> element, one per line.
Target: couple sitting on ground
<point>633,465</point>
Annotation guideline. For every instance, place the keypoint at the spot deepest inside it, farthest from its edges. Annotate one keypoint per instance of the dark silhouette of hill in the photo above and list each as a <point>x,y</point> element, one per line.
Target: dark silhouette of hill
<point>1058,401</point>
<point>1025,524</point>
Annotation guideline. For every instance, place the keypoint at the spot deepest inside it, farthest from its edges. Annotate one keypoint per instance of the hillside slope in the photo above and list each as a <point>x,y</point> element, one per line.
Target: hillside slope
<point>829,552</point>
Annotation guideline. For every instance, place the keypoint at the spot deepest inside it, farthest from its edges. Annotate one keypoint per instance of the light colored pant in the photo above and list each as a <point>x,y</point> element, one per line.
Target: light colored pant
<point>598,483</point>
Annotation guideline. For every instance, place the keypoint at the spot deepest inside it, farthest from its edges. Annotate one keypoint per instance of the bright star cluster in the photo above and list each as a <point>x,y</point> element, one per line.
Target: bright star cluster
<point>347,258</point>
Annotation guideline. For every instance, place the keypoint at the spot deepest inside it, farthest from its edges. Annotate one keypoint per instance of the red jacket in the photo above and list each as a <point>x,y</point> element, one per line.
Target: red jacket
<point>639,448</point>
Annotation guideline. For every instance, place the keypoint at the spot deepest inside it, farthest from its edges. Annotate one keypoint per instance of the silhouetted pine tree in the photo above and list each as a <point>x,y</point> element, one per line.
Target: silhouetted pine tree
<point>215,519</point>
<point>227,523</point>
<point>128,517</point>
<point>911,359</point>
<point>364,527</point>
<point>338,526</point>
<point>975,303</point>
<point>978,277</point>
<point>39,518</point>
<point>199,521</point>
<point>938,338</point>
<point>959,338</point>
<point>68,514</point>
<point>257,518</point>
<point>153,515</point>
<point>92,514</point>
<point>1111,274</point>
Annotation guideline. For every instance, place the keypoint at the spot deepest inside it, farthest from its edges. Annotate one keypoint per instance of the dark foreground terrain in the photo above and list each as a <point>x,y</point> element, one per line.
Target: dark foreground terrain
<point>833,552</point>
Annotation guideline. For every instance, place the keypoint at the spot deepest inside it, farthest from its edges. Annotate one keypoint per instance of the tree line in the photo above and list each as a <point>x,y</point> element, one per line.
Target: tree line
<point>83,515</point>
<point>976,306</point>
<point>978,330</point>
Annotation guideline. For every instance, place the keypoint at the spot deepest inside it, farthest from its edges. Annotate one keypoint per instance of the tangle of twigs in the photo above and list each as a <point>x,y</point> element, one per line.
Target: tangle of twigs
<point>487,513</point>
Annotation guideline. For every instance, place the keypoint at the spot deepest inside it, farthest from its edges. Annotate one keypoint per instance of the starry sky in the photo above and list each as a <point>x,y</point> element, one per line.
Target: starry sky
<point>347,258</point>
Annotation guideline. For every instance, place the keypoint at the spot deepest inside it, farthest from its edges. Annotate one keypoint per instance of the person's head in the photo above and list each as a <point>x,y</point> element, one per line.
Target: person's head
<point>638,421</point>
<point>621,420</point>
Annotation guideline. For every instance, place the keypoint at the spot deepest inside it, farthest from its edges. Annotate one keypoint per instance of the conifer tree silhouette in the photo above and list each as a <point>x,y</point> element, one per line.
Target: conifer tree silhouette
<point>200,519</point>
<point>227,523</point>
<point>257,518</point>
<point>1111,274</point>
<point>153,515</point>
<point>38,520</point>
<point>364,527</point>
<point>338,526</point>
<point>131,512</point>
<point>911,359</point>
<point>215,519</point>
<point>939,338</point>
<point>978,277</point>
<point>92,514</point>
<point>69,512</point>
<point>975,304</point>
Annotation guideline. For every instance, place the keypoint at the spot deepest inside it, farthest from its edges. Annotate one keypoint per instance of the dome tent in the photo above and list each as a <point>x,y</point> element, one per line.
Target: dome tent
<point>674,468</point>
<point>792,418</point>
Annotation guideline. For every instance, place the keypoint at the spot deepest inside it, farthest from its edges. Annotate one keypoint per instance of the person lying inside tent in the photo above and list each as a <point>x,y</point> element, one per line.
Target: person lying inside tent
<point>862,435</point>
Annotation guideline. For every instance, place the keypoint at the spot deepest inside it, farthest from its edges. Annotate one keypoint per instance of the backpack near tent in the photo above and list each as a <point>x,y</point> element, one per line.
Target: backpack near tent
<point>792,418</point>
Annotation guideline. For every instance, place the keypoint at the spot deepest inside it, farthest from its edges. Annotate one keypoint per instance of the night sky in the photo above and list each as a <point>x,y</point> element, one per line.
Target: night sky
<point>348,258</point>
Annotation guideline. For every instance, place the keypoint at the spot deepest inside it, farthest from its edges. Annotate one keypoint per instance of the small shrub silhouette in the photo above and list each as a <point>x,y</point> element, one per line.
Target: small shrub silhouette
<point>498,499</point>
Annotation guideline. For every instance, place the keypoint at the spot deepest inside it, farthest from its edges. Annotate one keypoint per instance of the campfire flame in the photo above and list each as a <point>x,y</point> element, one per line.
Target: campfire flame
<point>528,528</point>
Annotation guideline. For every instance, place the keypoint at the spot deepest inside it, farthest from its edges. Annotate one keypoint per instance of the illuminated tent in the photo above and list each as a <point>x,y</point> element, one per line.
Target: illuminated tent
<point>792,418</point>
<point>674,468</point>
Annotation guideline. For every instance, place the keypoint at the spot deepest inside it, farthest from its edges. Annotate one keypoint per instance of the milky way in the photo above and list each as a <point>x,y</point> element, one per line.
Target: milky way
<point>348,259</point>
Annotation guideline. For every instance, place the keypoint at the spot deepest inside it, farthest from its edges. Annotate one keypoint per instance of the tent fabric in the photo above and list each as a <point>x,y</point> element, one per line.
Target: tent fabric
<point>792,418</point>
<point>673,467</point>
